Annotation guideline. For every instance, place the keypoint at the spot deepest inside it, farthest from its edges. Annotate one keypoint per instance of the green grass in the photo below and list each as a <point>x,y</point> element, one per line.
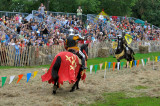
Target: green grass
<point>120,99</point>
<point>138,56</point>
<point>97,61</point>
<point>41,66</point>
<point>140,87</point>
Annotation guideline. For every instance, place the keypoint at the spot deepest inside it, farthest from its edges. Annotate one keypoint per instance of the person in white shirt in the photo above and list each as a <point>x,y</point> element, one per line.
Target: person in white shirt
<point>79,12</point>
<point>101,17</point>
<point>42,8</point>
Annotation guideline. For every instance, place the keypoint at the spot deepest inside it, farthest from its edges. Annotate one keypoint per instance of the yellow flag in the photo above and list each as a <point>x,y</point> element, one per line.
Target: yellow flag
<point>105,65</point>
<point>114,45</point>
<point>128,38</point>
<point>156,59</point>
<point>130,64</point>
<point>35,73</point>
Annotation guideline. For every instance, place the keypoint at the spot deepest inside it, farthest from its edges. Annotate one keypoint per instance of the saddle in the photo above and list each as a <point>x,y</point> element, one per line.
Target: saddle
<point>75,52</point>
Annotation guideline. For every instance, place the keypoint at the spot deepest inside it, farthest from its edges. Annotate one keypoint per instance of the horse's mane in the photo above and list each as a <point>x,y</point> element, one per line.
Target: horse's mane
<point>83,47</point>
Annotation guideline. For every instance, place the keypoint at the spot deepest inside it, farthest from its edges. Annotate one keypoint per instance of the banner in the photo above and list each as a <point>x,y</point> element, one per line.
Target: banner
<point>91,67</point>
<point>3,80</point>
<point>145,61</point>
<point>96,67</point>
<point>118,65</point>
<point>100,65</point>
<point>109,65</point>
<point>156,59</point>
<point>19,77</point>
<point>127,64</point>
<point>128,38</point>
<point>148,60</point>
<point>142,62</point>
<point>135,62</point>
<point>105,65</point>
<point>114,64</point>
<point>122,63</point>
<point>35,73</point>
<point>131,64</point>
<point>11,79</point>
<point>28,76</point>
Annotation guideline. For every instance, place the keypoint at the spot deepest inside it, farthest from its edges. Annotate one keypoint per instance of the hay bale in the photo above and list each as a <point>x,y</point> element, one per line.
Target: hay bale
<point>103,52</point>
<point>143,49</point>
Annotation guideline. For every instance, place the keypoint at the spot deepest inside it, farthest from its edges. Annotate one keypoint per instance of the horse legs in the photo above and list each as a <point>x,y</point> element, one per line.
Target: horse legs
<point>78,79</point>
<point>76,85</point>
<point>54,88</point>
<point>73,88</point>
<point>55,76</point>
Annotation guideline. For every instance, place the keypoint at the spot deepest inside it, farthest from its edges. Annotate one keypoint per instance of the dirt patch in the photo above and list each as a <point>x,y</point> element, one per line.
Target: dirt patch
<point>40,94</point>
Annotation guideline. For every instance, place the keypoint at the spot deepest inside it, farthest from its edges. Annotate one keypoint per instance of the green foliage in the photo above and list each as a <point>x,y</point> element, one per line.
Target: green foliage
<point>147,10</point>
<point>62,5</point>
<point>4,5</point>
<point>118,7</point>
<point>89,6</point>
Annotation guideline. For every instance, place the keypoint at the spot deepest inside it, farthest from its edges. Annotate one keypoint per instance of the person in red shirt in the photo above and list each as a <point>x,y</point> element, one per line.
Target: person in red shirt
<point>88,40</point>
<point>22,45</point>
<point>48,43</point>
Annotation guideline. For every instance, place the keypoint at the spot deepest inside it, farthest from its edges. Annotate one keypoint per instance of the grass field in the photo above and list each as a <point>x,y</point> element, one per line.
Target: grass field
<point>120,99</point>
<point>97,60</point>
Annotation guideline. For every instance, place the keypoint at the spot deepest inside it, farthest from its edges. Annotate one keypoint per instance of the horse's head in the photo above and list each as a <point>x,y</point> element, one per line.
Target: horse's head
<point>84,49</point>
<point>120,42</point>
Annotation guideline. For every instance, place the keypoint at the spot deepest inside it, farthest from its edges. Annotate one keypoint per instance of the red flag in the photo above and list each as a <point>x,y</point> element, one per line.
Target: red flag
<point>137,63</point>
<point>114,64</point>
<point>19,77</point>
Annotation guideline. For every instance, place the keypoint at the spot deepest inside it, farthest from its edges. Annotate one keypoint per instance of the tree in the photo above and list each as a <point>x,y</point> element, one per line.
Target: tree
<point>89,6</point>
<point>147,10</point>
<point>118,7</point>
<point>5,4</point>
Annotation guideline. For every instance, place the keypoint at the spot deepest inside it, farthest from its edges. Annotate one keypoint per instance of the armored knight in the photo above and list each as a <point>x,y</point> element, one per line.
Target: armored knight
<point>72,46</point>
<point>124,41</point>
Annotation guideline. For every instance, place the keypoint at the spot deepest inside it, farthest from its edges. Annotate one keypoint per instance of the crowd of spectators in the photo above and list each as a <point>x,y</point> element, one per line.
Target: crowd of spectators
<point>47,30</point>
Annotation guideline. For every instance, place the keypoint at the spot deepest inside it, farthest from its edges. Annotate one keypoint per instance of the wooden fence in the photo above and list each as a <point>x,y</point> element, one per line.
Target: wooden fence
<point>28,56</point>
<point>37,55</point>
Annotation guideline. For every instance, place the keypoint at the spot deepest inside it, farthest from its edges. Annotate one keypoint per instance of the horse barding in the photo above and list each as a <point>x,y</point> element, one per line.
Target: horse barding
<point>66,66</point>
<point>121,51</point>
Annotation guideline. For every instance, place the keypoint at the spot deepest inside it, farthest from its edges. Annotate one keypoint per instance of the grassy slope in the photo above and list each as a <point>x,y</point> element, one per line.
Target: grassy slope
<point>96,60</point>
<point>120,99</point>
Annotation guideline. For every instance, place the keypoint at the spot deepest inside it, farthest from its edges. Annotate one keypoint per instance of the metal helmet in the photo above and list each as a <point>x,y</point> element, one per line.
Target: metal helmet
<point>71,31</point>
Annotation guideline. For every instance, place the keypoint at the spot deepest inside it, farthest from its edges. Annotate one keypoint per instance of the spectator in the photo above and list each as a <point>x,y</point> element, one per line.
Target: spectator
<point>79,12</point>
<point>42,8</point>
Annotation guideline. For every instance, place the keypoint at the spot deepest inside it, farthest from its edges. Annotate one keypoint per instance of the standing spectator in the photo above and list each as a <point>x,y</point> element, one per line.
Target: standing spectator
<point>101,17</point>
<point>42,8</point>
<point>79,12</point>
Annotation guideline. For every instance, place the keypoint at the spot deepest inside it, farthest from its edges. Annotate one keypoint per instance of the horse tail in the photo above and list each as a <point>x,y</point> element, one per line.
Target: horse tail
<point>55,69</point>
